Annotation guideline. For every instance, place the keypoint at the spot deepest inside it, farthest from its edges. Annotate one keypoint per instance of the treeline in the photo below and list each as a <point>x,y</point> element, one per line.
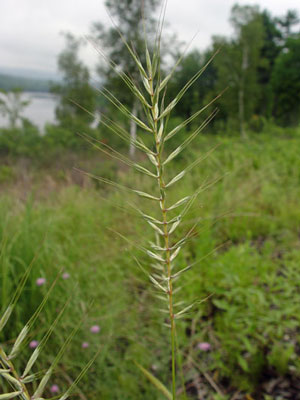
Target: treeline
<point>260,67</point>
<point>257,70</point>
<point>9,82</point>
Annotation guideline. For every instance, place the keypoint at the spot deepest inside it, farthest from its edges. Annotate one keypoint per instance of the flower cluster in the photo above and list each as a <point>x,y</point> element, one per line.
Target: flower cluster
<point>41,281</point>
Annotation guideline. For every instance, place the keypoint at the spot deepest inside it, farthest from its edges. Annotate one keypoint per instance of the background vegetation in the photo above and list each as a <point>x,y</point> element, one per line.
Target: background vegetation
<point>246,236</point>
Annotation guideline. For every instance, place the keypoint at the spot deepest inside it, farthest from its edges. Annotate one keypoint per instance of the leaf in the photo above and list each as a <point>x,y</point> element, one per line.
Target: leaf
<point>155,256</point>
<point>39,391</point>
<point>186,87</point>
<point>12,379</point>
<point>221,304</point>
<point>110,97</point>
<point>164,82</point>
<point>5,316</point>
<point>190,119</point>
<point>10,395</point>
<point>243,363</point>
<point>19,341</point>
<point>156,228</point>
<point>8,311</point>
<point>44,340</point>
<point>160,132</point>
<point>173,154</point>
<point>176,179</point>
<point>152,159</point>
<point>191,137</point>
<point>146,84</point>
<point>146,195</point>
<point>175,254</point>
<point>22,335</point>
<point>148,61</point>
<point>184,310</point>
<point>79,377</point>
<point>156,382</point>
<point>174,226</point>
<point>179,203</point>
<point>168,109</point>
<point>144,170</point>
<point>157,284</point>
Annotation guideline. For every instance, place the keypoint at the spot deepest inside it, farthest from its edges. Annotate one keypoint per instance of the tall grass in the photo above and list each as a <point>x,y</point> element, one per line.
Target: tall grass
<point>165,217</point>
<point>165,265</point>
<point>253,278</point>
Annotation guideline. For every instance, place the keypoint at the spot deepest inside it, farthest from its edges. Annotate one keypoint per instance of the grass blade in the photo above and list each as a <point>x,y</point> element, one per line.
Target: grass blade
<point>156,382</point>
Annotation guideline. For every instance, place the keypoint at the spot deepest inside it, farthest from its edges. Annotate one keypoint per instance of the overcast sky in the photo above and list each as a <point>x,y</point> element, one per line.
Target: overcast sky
<point>30,29</point>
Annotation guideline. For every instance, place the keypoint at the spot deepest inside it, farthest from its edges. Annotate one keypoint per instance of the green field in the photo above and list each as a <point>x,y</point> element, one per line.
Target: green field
<point>244,234</point>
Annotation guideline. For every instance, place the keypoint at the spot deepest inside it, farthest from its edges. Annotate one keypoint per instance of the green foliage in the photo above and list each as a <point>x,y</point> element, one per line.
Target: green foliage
<point>281,356</point>
<point>57,138</point>
<point>287,22</point>
<point>7,174</point>
<point>76,95</point>
<point>104,272</point>
<point>12,105</point>
<point>137,23</point>
<point>202,88</point>
<point>23,141</point>
<point>133,18</point>
<point>238,65</point>
<point>286,84</point>
<point>268,54</point>
<point>249,320</point>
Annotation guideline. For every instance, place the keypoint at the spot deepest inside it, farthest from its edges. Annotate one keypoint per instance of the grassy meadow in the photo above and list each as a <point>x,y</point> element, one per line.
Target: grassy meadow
<point>245,240</point>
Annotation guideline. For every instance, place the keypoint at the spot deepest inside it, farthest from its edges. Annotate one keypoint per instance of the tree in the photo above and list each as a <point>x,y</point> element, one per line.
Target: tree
<point>286,84</point>
<point>76,94</point>
<point>269,52</point>
<point>135,20</point>
<point>199,91</point>
<point>287,22</point>
<point>11,105</point>
<point>237,66</point>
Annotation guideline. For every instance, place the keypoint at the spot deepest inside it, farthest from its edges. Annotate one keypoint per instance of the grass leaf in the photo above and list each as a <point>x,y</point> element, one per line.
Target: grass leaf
<point>156,382</point>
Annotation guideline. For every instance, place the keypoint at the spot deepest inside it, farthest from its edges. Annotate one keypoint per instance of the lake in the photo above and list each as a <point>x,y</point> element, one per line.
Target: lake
<point>40,110</point>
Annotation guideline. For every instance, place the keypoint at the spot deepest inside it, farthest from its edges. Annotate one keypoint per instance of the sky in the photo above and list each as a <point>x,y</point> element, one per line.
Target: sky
<point>30,30</point>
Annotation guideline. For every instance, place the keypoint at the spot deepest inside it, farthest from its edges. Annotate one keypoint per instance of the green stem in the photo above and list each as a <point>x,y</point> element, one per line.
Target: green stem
<point>168,270</point>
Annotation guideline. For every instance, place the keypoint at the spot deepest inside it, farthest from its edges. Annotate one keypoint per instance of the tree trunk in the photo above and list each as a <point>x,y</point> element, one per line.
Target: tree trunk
<point>241,111</point>
<point>133,130</point>
<point>241,94</point>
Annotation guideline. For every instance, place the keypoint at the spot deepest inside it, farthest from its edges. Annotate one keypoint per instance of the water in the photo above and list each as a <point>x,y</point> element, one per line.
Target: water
<point>40,110</point>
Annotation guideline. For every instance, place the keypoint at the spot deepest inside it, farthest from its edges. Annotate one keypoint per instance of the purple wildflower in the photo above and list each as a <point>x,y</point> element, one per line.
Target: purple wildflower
<point>54,389</point>
<point>33,344</point>
<point>40,281</point>
<point>204,346</point>
<point>85,345</point>
<point>65,275</point>
<point>95,329</point>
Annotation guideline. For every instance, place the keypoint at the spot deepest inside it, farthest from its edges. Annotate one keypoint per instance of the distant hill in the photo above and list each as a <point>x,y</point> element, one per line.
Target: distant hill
<point>30,73</point>
<point>26,79</point>
<point>9,82</point>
